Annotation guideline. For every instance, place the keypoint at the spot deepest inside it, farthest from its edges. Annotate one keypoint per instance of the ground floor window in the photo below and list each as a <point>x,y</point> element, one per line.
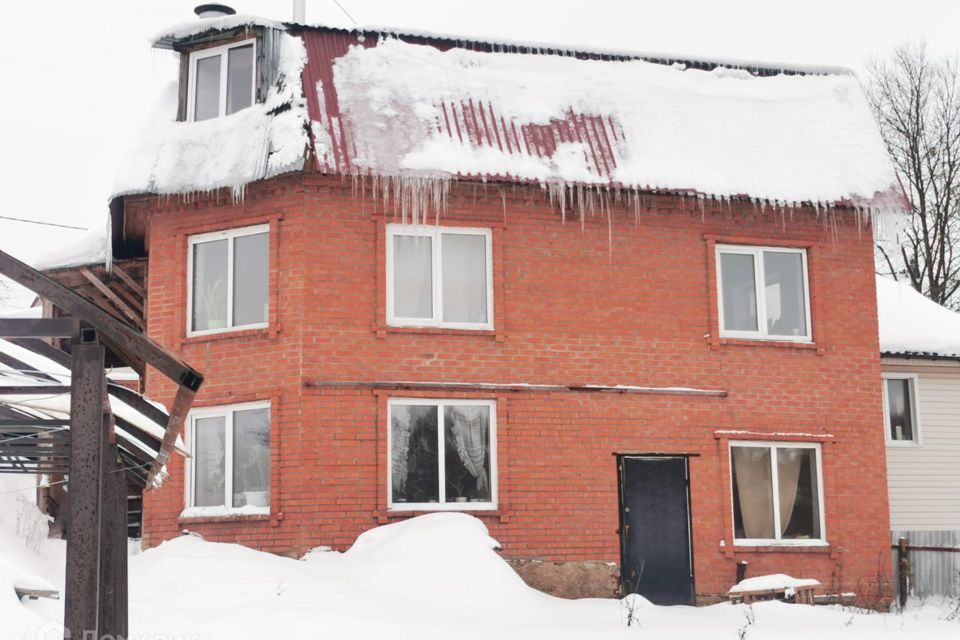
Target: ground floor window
<point>777,492</point>
<point>230,463</point>
<point>442,454</point>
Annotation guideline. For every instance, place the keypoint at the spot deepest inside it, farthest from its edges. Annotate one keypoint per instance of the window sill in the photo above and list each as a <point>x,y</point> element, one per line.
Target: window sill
<point>193,515</point>
<point>391,515</point>
<point>763,343</point>
<point>383,330</point>
<point>818,547</point>
<point>230,334</point>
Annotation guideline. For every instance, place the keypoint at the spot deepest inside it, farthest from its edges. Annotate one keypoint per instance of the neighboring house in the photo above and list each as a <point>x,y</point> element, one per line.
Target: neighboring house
<point>610,304</point>
<point>920,349</point>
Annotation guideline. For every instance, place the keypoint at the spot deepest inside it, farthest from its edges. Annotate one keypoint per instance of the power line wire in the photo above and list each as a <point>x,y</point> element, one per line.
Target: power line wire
<point>346,13</point>
<point>45,224</point>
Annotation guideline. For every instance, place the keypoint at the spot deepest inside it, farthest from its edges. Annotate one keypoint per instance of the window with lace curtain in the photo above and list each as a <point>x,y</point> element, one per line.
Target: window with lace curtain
<point>439,277</point>
<point>777,493</point>
<point>442,454</point>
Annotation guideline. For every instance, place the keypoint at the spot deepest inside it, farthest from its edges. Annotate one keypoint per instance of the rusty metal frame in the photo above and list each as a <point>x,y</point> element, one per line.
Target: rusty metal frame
<point>95,602</point>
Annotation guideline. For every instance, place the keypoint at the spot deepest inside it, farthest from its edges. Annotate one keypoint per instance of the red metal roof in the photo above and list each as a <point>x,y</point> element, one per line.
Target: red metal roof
<point>471,122</point>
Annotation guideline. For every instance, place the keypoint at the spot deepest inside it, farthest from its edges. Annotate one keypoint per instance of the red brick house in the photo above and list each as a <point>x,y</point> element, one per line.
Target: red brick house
<point>619,307</point>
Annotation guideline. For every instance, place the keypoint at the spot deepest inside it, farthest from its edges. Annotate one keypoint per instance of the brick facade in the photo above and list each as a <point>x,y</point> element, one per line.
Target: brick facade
<point>631,304</point>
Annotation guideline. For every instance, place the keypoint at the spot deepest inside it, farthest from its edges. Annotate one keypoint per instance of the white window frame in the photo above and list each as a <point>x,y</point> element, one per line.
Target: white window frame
<point>435,233</point>
<point>441,505</point>
<point>221,51</point>
<point>774,480</point>
<point>913,381</point>
<point>230,235</point>
<point>226,412</point>
<point>760,288</point>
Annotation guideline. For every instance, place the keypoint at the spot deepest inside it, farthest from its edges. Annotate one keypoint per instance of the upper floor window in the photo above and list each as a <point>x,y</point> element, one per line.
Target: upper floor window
<point>764,293</point>
<point>442,454</point>
<point>439,276</point>
<point>230,463</point>
<point>227,275</point>
<point>221,80</point>
<point>777,491</point>
<point>899,408</point>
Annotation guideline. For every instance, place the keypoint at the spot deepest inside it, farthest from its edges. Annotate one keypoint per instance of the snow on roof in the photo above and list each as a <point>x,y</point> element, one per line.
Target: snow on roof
<point>166,38</point>
<point>762,67</point>
<point>262,141</point>
<point>87,248</point>
<point>414,110</point>
<point>913,325</point>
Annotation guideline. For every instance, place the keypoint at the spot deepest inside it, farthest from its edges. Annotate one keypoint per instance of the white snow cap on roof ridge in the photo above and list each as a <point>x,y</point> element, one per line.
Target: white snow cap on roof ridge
<point>197,26</point>
<point>789,139</point>
<point>912,324</point>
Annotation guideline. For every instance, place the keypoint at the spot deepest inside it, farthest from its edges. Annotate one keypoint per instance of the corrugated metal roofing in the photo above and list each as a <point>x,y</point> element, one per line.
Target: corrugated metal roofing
<point>32,363</point>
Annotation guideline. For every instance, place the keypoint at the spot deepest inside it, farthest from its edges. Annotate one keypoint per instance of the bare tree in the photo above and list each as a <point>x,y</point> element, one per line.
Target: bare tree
<point>916,101</point>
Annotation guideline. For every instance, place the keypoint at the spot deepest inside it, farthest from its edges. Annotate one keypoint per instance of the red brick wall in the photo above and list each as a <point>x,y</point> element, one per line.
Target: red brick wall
<point>574,304</point>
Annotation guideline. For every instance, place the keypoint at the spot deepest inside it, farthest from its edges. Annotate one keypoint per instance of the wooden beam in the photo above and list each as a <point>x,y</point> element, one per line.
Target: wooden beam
<point>86,464</point>
<point>178,415</point>
<point>131,298</point>
<point>111,328</point>
<point>32,423</point>
<point>112,297</point>
<point>37,327</point>
<point>118,271</point>
<point>34,390</point>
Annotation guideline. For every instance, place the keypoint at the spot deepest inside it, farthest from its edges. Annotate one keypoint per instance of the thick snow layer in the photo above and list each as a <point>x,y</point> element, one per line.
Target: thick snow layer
<point>264,140</point>
<point>87,248</point>
<point>773,581</point>
<point>204,25</point>
<point>722,133</point>
<point>911,323</point>
<point>435,577</point>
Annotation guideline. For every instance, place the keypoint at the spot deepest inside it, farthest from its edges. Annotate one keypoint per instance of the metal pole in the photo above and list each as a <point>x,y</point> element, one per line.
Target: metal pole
<point>86,452</point>
<point>903,552</point>
<point>113,546</point>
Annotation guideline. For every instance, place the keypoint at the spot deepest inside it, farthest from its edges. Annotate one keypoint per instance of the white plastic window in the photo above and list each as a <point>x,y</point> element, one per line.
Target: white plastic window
<point>763,293</point>
<point>439,276</point>
<point>221,80</point>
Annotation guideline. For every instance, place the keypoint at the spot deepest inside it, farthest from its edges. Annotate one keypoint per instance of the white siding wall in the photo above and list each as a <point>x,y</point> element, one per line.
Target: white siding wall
<point>925,480</point>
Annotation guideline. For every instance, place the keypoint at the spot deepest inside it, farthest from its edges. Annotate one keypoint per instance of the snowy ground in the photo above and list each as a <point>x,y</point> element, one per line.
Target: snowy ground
<point>432,577</point>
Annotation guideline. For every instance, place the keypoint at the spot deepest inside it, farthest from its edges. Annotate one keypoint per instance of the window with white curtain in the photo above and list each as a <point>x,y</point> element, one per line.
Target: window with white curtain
<point>763,293</point>
<point>228,275</point>
<point>777,493</point>
<point>229,467</point>
<point>442,454</point>
<point>900,408</point>
<point>439,276</point>
<point>221,80</point>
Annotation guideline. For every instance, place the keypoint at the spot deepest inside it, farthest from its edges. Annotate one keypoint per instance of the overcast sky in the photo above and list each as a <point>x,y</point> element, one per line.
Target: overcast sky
<point>81,76</point>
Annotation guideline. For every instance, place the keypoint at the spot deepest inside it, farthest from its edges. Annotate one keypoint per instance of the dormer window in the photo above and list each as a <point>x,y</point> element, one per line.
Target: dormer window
<point>221,80</point>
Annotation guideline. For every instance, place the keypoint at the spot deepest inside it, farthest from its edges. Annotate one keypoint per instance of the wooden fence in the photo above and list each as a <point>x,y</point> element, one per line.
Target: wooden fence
<point>926,563</point>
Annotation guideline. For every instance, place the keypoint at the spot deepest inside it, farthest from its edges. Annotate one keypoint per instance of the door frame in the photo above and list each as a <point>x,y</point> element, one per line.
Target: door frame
<point>620,457</point>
